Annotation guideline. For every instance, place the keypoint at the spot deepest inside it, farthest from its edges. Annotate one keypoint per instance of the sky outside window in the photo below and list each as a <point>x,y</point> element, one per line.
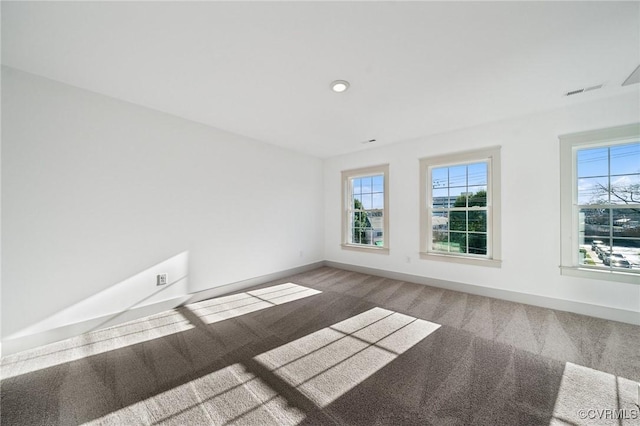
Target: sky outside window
<point>618,166</point>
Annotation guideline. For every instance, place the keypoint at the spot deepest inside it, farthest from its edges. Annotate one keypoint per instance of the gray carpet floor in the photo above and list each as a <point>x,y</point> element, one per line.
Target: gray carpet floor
<point>335,347</point>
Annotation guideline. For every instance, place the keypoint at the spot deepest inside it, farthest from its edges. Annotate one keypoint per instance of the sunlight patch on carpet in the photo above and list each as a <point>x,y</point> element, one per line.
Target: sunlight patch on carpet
<point>229,395</point>
<point>328,363</point>
<point>592,397</point>
<point>226,307</point>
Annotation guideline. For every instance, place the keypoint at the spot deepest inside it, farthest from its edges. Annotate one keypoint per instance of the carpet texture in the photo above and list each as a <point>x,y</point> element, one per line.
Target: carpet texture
<point>335,347</point>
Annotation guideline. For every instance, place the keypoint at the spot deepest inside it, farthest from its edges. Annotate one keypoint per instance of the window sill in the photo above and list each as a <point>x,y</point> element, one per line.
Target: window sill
<point>493,263</point>
<point>362,248</point>
<point>594,274</point>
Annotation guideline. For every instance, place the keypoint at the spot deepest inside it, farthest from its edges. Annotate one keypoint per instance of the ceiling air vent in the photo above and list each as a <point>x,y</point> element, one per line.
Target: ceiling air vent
<point>574,92</point>
<point>586,89</point>
<point>634,78</point>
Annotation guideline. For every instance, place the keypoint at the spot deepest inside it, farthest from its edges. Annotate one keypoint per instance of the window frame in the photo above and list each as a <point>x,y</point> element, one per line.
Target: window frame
<point>347,175</point>
<point>569,218</point>
<point>491,155</point>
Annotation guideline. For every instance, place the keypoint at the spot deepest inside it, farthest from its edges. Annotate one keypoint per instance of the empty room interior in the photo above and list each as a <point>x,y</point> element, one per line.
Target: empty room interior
<point>340,213</point>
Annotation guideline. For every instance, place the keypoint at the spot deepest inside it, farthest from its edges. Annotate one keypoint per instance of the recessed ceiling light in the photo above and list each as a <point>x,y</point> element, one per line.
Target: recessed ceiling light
<point>339,86</point>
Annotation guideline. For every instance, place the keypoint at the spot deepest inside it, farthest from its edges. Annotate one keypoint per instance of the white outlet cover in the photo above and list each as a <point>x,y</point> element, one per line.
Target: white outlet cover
<point>162,279</point>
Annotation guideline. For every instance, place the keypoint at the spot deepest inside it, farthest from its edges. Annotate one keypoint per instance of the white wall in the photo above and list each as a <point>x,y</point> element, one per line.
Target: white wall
<point>530,195</point>
<point>99,195</point>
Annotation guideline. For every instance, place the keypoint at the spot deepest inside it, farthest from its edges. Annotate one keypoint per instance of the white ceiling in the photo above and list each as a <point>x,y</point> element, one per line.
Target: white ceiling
<point>263,69</point>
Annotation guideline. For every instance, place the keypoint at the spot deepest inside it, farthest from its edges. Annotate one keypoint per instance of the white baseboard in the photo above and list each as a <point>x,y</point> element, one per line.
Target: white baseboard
<point>241,285</point>
<point>605,312</point>
<point>18,344</point>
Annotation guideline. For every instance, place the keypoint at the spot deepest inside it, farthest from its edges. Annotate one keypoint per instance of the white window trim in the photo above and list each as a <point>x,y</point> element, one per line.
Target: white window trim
<point>569,144</point>
<point>494,238</point>
<point>362,172</point>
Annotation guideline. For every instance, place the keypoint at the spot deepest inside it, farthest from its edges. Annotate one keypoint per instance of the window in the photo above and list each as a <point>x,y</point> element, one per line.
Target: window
<point>600,187</point>
<point>460,207</point>
<point>365,217</point>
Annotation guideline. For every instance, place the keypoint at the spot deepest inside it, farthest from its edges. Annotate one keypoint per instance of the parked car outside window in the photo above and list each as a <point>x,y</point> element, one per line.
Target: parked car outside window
<point>608,257</point>
<point>620,263</point>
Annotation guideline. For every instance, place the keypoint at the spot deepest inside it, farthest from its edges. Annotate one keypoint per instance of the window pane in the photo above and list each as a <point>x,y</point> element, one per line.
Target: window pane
<point>361,220</point>
<point>359,224</point>
<point>375,234</point>
<point>458,197</point>
<point>440,198</point>
<point>622,254</point>
<point>378,201</point>
<point>593,162</point>
<point>439,178</point>
<point>458,221</point>
<point>594,236</point>
<point>596,245</point>
<point>353,224</point>
<point>375,219</point>
<point>440,242</point>
<point>594,256</point>
<point>594,225</point>
<point>629,249</point>
<point>357,202</point>
<point>625,189</point>
<point>626,223</point>
<point>367,201</point>
<point>477,243</point>
<point>458,176</point>
<point>586,256</point>
<point>457,242</point>
<point>362,236</point>
<point>378,238</point>
<point>441,246</point>
<point>358,236</point>
<point>440,231</point>
<point>477,174</point>
<point>440,222</point>
<point>478,221</point>
<point>625,159</point>
<point>593,191</point>
<point>350,226</point>
<point>367,185</point>
<point>355,183</point>
<point>378,183</point>
<point>477,196</point>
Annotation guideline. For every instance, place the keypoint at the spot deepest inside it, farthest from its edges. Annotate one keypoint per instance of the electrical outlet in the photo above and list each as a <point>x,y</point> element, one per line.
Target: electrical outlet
<point>162,279</point>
